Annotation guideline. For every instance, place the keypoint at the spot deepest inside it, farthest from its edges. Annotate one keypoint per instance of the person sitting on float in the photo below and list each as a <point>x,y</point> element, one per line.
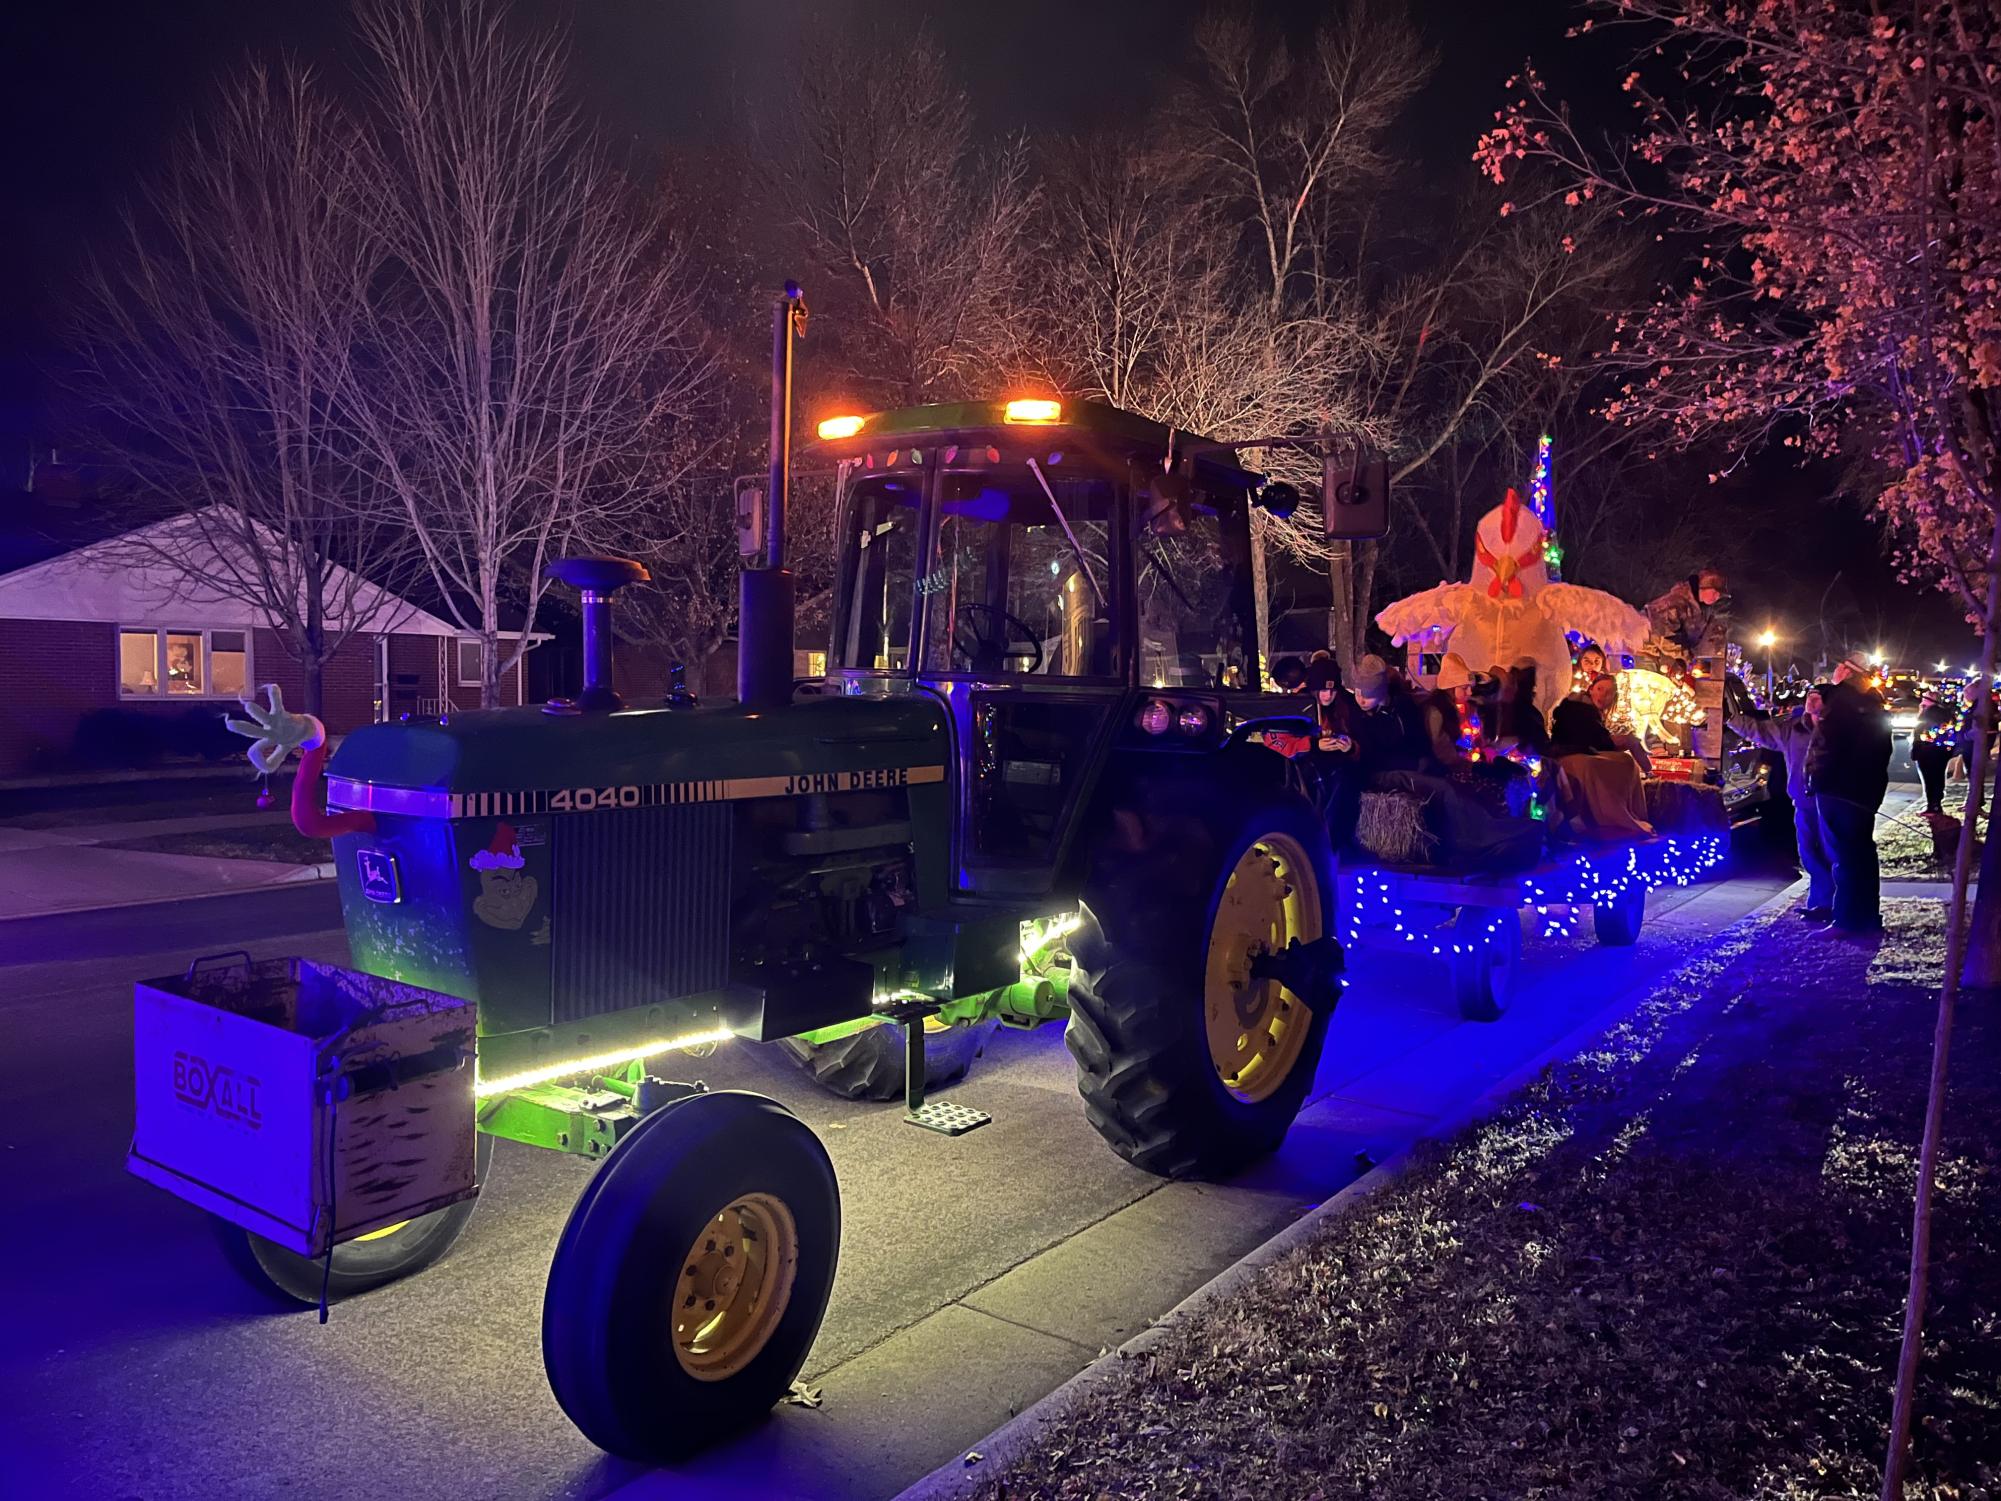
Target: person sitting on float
<point>1604,696</point>
<point>1589,667</point>
<point>1328,750</point>
<point>1599,791</point>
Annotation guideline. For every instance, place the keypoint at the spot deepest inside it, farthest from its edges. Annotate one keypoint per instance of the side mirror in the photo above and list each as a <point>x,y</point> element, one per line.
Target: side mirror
<point>1279,498</point>
<point>750,517</point>
<point>1355,492</point>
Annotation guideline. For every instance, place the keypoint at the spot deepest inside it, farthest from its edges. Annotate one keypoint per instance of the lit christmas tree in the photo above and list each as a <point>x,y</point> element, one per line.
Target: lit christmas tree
<point>1543,503</point>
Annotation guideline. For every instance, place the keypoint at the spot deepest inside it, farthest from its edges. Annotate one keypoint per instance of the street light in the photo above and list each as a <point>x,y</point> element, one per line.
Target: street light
<point>1768,638</point>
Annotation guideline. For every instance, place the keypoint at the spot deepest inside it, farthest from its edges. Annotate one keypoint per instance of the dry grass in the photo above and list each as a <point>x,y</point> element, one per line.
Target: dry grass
<point>1672,1268</point>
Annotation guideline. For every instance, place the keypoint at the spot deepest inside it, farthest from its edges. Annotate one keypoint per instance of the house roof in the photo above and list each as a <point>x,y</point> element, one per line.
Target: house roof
<point>128,577</point>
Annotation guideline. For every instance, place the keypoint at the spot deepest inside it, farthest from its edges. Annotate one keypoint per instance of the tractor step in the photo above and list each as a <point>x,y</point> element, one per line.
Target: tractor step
<point>946,1118</point>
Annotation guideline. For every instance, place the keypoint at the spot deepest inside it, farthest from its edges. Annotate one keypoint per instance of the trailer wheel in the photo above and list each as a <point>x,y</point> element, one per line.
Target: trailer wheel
<point>1618,921</point>
<point>691,1277</point>
<point>385,1256</point>
<point>1486,960</point>
<point>869,1064</point>
<point>1188,1066</point>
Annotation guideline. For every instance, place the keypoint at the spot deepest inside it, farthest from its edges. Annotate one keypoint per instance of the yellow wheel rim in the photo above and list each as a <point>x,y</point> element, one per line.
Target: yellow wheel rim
<point>384,1233</point>
<point>733,1286</point>
<point>1257,1028</point>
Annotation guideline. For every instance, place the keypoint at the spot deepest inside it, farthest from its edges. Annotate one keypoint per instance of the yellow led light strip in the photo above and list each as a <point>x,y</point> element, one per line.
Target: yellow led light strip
<point>598,1062</point>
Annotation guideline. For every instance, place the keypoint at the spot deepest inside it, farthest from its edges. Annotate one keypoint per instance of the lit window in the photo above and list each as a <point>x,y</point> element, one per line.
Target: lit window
<point>183,663</point>
<point>470,675</point>
<point>138,661</point>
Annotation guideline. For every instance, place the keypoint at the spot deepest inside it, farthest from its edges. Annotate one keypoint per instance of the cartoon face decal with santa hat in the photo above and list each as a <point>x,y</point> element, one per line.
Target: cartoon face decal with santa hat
<point>506,891</point>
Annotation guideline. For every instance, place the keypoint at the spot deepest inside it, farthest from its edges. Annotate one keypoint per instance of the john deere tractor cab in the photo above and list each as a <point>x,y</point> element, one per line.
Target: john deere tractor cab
<point>1063,598</point>
<point>1026,791</point>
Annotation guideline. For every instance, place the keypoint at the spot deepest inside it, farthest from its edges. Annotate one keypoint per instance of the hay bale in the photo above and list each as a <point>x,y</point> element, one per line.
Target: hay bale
<point>1686,808</point>
<point>1391,829</point>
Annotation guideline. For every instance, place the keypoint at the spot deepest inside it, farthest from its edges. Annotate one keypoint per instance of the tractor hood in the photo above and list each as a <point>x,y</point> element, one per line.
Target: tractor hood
<point>524,761</point>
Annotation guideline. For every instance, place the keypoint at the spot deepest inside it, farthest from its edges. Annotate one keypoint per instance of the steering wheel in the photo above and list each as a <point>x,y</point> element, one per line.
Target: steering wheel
<point>980,644</point>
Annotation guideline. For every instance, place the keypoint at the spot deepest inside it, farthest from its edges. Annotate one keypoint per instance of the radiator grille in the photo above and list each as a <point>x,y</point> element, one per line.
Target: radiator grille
<point>640,909</point>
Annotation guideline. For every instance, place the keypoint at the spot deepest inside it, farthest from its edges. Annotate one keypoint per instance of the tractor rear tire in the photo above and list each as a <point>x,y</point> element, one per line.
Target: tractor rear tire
<point>1188,1068</point>
<point>692,1275</point>
<point>869,1064</point>
<point>359,1266</point>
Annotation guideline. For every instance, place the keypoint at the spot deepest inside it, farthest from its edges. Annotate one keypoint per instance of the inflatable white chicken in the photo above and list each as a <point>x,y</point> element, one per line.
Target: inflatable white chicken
<point>1510,610</point>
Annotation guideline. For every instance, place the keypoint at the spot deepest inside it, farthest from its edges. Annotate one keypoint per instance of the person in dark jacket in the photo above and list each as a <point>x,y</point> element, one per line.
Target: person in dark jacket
<point>1388,721</point>
<point>1934,743</point>
<point>1791,737</point>
<point>1847,773</point>
<point>1329,752</point>
<point>1689,620</point>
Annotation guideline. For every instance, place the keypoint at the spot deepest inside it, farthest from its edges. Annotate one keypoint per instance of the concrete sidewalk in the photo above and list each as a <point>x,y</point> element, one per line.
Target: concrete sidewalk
<point>47,871</point>
<point>1399,1065</point>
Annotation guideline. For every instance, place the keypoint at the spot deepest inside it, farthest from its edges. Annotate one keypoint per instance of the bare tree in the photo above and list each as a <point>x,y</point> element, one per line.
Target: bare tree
<point>213,340</point>
<point>534,357</point>
<point>914,232</point>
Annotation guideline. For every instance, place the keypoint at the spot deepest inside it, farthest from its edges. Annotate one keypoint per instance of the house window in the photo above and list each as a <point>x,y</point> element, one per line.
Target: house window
<point>167,663</point>
<point>138,662</point>
<point>228,663</point>
<point>469,664</point>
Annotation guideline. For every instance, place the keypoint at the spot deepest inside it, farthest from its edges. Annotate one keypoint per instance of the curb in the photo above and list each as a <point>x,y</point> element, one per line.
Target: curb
<point>324,871</point>
<point>956,1480</point>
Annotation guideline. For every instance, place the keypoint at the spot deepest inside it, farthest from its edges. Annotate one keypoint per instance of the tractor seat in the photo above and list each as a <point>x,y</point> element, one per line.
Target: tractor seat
<point>599,575</point>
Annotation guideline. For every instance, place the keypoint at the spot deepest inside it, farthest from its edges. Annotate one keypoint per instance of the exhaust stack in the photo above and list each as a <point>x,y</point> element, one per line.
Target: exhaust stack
<point>765,598</point>
<point>597,579</point>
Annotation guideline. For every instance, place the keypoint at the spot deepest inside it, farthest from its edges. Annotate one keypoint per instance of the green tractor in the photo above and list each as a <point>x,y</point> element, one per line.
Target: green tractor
<point>1028,788</point>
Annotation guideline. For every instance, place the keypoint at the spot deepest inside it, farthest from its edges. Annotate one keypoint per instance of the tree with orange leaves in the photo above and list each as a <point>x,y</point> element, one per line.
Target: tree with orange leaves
<point>1834,171</point>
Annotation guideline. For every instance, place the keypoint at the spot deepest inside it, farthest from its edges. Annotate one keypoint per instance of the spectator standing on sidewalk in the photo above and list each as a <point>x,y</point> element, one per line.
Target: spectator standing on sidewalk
<point>1933,744</point>
<point>1847,772</point>
<point>1791,737</point>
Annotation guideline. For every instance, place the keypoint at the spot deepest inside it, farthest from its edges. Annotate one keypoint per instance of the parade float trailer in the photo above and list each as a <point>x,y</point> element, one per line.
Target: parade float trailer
<point>1029,789</point>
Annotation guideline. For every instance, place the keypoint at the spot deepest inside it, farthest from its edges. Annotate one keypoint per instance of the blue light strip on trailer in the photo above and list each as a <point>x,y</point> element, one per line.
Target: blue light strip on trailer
<point>1589,876</point>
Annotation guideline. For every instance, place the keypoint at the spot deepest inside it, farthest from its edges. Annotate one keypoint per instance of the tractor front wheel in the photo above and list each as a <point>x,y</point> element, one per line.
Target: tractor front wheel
<point>1190,1065</point>
<point>384,1256</point>
<point>869,1064</point>
<point>691,1278</point>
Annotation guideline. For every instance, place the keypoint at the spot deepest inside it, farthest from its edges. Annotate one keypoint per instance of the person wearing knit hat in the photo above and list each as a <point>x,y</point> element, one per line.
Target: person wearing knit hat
<point>1372,681</point>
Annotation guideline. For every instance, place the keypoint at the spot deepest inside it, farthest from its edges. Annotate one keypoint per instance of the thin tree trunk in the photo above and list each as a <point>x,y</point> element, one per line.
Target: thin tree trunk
<point>1898,1457</point>
<point>1983,942</point>
<point>1363,604</point>
<point>1341,615</point>
<point>1261,592</point>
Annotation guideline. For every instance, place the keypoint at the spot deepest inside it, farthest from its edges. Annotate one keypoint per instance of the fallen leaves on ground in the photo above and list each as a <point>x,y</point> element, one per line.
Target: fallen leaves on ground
<point>1674,1267</point>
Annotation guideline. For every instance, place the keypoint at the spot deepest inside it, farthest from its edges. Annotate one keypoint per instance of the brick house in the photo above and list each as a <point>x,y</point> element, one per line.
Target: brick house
<point>100,642</point>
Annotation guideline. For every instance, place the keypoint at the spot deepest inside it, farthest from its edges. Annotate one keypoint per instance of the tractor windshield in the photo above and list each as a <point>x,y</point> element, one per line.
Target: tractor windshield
<point>879,560</point>
<point>1019,579</point>
<point>1192,576</point>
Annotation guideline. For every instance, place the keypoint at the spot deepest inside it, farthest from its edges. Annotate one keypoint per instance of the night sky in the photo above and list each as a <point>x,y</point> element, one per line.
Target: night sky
<point>95,87</point>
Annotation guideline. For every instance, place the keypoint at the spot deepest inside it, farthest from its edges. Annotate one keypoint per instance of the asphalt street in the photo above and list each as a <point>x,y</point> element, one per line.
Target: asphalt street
<point>976,1275</point>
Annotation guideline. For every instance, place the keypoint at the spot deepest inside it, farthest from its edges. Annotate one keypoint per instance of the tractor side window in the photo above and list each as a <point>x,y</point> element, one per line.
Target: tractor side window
<point>879,558</point>
<point>1021,582</point>
<point>1192,573</point>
